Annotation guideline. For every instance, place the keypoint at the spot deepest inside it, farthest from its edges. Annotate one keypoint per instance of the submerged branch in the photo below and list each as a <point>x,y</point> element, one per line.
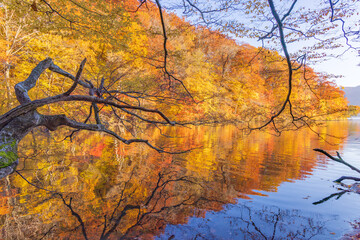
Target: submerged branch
<point>339,180</point>
<point>337,195</point>
<point>337,159</point>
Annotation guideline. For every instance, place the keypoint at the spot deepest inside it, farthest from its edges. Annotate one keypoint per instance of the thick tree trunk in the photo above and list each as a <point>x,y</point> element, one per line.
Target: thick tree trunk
<point>10,136</point>
<point>17,127</point>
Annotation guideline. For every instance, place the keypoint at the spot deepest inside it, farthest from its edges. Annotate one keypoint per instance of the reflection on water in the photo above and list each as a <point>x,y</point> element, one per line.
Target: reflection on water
<point>229,187</point>
<point>248,221</point>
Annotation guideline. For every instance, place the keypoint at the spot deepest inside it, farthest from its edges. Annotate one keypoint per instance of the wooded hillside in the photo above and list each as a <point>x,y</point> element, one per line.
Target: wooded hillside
<point>207,77</point>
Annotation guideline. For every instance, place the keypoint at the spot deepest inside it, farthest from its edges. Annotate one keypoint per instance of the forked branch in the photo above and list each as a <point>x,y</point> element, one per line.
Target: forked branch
<point>337,159</point>
<point>339,180</point>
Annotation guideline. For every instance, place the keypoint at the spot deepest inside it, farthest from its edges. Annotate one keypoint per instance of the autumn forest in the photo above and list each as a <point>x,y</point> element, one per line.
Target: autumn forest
<point>209,76</point>
<point>122,119</point>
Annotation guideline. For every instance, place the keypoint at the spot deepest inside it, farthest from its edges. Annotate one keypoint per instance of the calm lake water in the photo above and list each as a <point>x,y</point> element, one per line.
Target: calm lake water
<point>229,186</point>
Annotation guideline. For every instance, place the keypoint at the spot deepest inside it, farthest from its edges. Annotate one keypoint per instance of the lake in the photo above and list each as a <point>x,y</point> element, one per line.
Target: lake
<point>229,186</point>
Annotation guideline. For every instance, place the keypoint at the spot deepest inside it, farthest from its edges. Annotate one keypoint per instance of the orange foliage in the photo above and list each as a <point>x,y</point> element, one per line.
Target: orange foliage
<point>124,44</point>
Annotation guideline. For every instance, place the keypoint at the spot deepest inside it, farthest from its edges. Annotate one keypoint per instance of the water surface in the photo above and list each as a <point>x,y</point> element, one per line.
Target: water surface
<point>229,186</point>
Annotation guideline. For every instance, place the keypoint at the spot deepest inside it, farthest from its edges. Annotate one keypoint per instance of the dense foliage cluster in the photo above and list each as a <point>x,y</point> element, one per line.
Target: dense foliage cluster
<point>124,44</point>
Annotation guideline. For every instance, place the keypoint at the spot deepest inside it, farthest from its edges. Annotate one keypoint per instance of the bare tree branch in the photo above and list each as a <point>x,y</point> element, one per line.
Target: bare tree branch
<point>333,19</point>
<point>22,88</point>
<point>288,61</point>
<point>337,159</point>
<point>165,69</point>
<point>76,80</point>
<point>16,123</point>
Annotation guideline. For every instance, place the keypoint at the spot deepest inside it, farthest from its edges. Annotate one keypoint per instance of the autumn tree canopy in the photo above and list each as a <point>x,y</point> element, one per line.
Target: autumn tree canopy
<point>145,64</point>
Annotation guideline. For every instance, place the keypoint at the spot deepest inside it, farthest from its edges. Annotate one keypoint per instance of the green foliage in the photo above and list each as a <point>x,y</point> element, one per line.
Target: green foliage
<point>8,154</point>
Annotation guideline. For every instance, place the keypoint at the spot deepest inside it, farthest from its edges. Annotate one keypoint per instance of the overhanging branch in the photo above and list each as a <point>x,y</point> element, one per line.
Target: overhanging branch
<point>52,122</point>
<point>33,105</point>
<point>288,61</point>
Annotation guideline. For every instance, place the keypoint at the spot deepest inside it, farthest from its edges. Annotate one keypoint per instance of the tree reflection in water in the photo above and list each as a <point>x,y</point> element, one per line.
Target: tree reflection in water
<point>132,217</point>
<point>250,222</point>
<point>127,211</point>
<point>98,190</point>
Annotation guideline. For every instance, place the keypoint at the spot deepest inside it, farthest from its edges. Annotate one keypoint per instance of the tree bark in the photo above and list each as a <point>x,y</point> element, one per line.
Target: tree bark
<point>10,136</point>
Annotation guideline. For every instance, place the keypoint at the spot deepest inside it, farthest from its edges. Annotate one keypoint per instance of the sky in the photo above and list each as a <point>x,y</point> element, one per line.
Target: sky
<point>347,65</point>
